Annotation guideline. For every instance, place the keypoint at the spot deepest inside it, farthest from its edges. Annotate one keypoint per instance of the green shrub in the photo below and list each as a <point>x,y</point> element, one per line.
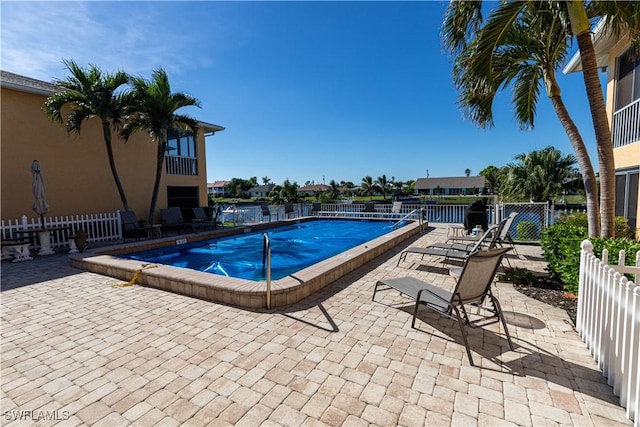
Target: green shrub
<point>561,248</point>
<point>527,230</point>
<point>519,276</point>
<point>579,219</point>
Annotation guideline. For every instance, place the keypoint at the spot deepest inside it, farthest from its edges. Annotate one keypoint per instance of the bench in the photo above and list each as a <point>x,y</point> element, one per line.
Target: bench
<point>16,249</point>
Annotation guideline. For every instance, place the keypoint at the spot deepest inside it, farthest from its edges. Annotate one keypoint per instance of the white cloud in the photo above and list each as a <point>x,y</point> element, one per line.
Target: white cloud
<point>132,36</point>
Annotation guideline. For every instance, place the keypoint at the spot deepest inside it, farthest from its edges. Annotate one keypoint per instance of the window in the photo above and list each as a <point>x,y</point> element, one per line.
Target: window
<point>181,156</point>
<point>628,86</point>
<point>627,196</point>
<point>180,143</point>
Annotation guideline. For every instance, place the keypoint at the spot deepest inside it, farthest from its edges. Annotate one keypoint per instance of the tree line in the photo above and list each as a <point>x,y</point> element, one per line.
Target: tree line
<point>287,192</point>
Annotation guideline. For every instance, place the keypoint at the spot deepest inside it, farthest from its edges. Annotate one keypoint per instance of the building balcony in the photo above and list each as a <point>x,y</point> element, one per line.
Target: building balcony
<point>178,165</point>
<point>626,125</point>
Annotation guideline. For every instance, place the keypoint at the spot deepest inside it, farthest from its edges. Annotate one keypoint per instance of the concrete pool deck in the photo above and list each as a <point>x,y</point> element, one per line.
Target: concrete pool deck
<point>83,352</point>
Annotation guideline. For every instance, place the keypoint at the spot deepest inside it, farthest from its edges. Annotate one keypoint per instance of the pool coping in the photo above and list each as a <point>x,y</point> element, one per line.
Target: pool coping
<point>230,290</point>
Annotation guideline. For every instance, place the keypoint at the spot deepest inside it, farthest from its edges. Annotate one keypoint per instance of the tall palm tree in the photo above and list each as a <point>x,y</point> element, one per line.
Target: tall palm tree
<point>539,175</point>
<point>367,187</point>
<point>463,22</point>
<point>91,93</point>
<point>521,48</point>
<point>154,111</point>
<point>620,17</point>
<point>467,172</point>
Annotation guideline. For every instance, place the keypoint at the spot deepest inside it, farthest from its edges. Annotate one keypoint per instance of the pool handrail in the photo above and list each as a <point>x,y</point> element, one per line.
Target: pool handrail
<point>404,218</point>
<point>266,256</point>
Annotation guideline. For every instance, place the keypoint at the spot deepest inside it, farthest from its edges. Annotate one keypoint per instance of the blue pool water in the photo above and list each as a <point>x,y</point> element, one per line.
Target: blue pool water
<point>293,248</point>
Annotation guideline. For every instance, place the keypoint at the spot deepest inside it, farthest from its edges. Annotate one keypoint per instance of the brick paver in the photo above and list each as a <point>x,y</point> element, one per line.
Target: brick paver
<point>78,351</point>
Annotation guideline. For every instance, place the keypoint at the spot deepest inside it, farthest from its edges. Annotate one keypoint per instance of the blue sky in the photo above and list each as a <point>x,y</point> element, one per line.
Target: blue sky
<point>308,91</point>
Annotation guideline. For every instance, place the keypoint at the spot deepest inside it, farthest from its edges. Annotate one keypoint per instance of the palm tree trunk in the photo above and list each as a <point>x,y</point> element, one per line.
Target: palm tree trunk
<point>156,185</point>
<point>581,29</point>
<point>588,175</point>
<point>106,132</point>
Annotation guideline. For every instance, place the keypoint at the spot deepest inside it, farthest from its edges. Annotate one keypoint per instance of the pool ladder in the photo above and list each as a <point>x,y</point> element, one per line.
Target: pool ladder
<point>411,214</point>
<point>266,264</point>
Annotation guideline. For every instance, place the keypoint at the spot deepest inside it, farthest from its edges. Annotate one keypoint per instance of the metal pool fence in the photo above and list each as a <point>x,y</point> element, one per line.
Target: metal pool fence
<point>103,228</point>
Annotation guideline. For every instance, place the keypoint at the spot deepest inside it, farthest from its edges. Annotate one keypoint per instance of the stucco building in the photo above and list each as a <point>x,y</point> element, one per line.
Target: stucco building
<point>623,108</point>
<point>76,168</point>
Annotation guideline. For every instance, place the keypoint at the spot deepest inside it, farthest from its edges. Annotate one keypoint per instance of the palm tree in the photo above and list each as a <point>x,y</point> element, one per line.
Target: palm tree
<point>467,172</point>
<point>334,191</point>
<point>368,187</point>
<point>91,93</point>
<point>493,177</point>
<point>266,180</point>
<point>463,23</point>
<point>619,17</point>
<point>521,48</point>
<point>539,175</point>
<point>383,184</point>
<point>154,111</point>
<point>285,193</point>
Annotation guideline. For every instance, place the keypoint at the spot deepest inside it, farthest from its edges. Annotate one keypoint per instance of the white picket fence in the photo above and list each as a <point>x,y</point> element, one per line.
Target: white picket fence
<point>100,228</point>
<point>608,321</point>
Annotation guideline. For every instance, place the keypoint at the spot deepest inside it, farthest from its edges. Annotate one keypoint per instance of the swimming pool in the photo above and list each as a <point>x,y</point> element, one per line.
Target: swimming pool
<point>109,261</point>
<point>293,247</point>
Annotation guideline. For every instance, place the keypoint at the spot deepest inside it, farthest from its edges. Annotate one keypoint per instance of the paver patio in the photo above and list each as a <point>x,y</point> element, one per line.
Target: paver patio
<point>79,350</point>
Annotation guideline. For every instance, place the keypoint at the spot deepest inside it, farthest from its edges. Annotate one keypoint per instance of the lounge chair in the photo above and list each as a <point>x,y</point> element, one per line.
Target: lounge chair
<point>265,211</point>
<point>457,251</point>
<point>396,210</point>
<point>369,207</point>
<point>288,210</point>
<point>201,220</point>
<point>131,226</point>
<point>503,237</point>
<point>473,286</point>
<point>316,208</point>
<point>172,219</point>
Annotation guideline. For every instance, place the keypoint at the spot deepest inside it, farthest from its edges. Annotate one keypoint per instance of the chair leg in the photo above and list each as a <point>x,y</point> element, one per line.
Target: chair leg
<point>402,257</point>
<point>496,304</point>
<point>464,335</point>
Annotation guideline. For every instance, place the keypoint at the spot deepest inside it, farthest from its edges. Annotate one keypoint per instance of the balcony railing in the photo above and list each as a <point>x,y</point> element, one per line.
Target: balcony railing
<point>178,165</point>
<point>626,125</point>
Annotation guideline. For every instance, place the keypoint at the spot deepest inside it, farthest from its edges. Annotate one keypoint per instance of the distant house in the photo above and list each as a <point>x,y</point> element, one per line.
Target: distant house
<point>218,188</point>
<point>311,190</point>
<point>451,186</point>
<point>261,190</point>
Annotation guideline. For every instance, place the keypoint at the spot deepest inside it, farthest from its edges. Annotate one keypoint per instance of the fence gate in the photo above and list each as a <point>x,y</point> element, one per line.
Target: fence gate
<point>527,226</point>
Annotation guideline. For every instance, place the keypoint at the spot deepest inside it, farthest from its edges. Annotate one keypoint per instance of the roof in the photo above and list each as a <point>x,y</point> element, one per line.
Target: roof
<point>218,183</point>
<point>450,182</point>
<point>262,188</point>
<point>315,187</point>
<point>17,82</point>
<point>603,42</point>
<point>26,84</point>
<point>209,128</point>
